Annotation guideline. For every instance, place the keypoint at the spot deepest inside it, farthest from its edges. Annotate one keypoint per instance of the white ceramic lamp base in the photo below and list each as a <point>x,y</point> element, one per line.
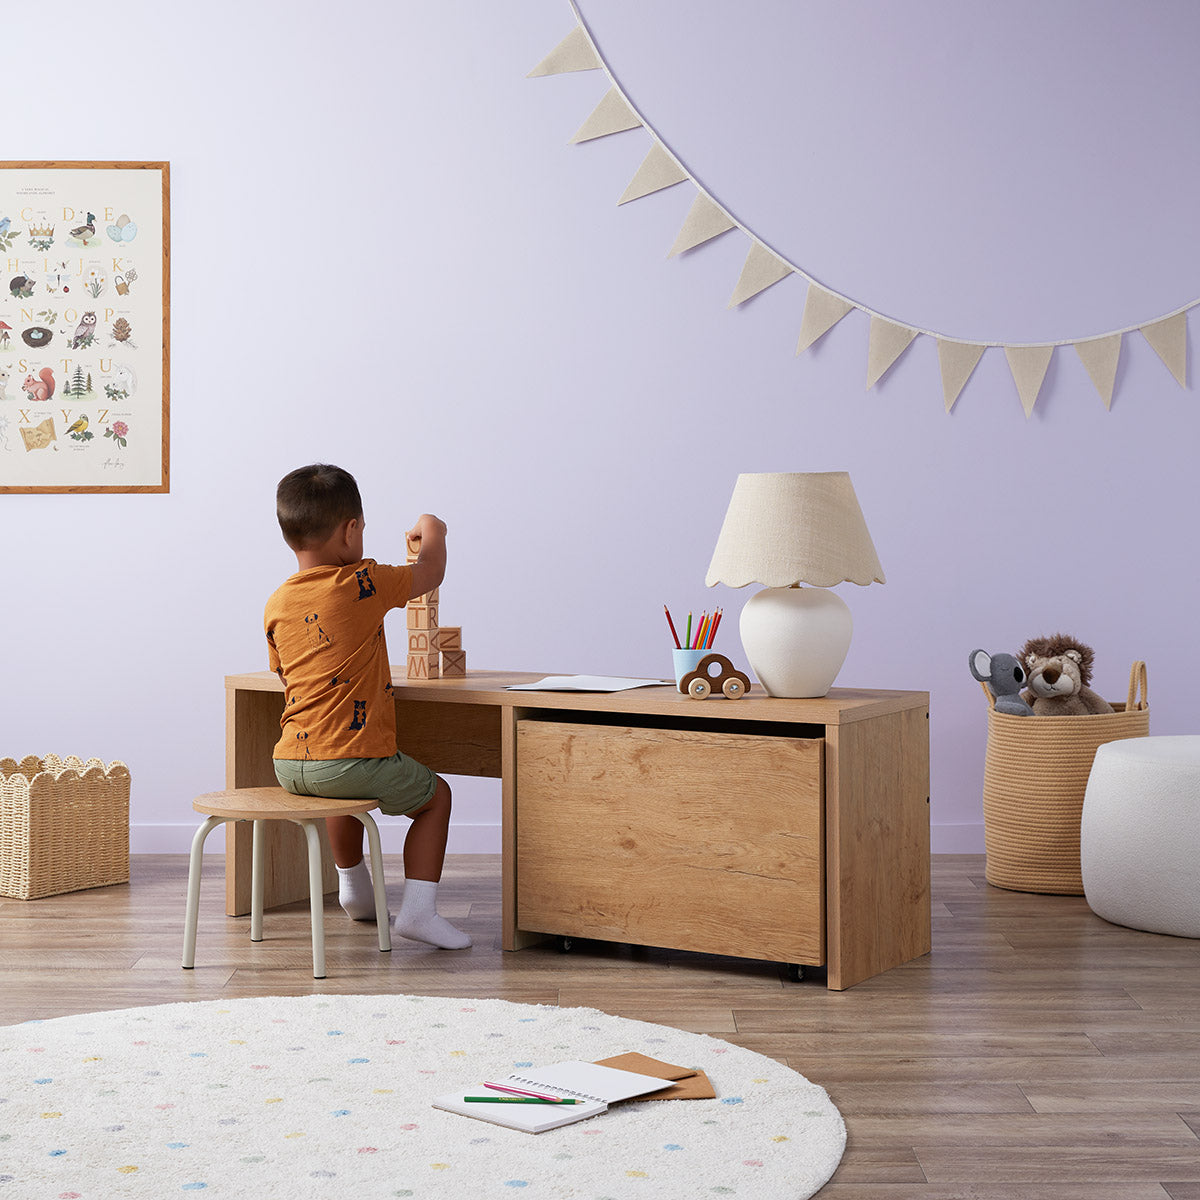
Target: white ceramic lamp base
<point>796,639</point>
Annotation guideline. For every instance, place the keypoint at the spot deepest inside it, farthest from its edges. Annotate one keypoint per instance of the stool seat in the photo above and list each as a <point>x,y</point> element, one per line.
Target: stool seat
<point>1138,834</point>
<point>259,804</point>
<point>275,804</point>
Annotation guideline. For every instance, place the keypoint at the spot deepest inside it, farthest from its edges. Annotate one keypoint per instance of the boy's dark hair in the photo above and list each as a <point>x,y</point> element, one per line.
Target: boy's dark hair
<point>311,502</point>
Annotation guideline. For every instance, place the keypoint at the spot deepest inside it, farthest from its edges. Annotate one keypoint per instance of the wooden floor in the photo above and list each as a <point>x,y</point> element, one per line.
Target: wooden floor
<point>1038,1053</point>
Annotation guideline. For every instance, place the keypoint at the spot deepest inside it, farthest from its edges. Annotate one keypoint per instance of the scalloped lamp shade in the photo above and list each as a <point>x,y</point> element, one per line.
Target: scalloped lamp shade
<point>783,530</point>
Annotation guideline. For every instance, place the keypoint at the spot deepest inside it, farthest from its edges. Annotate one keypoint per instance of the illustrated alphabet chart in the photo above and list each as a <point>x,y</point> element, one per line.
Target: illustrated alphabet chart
<point>84,327</point>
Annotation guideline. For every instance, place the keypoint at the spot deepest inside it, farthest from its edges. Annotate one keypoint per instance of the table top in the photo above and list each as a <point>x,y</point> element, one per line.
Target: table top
<point>841,706</point>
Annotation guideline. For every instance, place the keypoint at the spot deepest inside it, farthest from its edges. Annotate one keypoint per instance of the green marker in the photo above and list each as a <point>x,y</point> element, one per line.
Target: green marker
<point>512,1100</point>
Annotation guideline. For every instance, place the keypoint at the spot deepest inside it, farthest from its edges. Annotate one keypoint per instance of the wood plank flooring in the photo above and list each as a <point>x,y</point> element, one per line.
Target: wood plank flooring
<point>1038,1053</point>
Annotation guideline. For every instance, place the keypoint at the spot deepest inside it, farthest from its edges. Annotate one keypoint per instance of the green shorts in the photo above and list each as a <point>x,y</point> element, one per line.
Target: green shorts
<point>400,784</point>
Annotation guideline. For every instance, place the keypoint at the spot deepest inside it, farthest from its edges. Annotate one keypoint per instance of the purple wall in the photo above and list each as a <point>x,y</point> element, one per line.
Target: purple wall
<point>386,255</point>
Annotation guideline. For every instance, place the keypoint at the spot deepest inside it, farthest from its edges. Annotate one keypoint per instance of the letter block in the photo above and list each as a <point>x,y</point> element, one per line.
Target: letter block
<point>450,637</point>
<point>454,664</point>
<point>422,616</point>
<point>423,666</point>
<point>413,547</point>
<point>423,641</point>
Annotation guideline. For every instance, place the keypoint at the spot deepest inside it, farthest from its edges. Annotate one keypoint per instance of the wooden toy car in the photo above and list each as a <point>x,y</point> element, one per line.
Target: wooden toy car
<point>699,684</point>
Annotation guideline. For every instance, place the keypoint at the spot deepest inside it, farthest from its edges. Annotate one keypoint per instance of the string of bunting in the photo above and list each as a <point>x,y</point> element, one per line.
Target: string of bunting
<point>823,307</point>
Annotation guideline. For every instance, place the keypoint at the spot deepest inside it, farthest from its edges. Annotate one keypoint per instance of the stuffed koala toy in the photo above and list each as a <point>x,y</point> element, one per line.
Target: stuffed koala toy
<point>1059,670</point>
<point>1005,678</point>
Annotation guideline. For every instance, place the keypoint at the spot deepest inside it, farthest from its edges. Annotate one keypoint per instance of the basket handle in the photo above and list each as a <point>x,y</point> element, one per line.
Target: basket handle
<point>987,691</point>
<point>1137,675</point>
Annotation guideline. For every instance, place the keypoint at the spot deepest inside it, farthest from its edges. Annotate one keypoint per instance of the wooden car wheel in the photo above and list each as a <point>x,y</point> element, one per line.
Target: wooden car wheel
<point>733,689</point>
<point>699,689</point>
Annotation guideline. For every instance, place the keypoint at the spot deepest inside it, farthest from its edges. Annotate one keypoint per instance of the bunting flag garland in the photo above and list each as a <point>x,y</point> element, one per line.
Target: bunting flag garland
<point>1100,356</point>
<point>658,170</point>
<point>705,220</point>
<point>1169,339</point>
<point>1028,365</point>
<point>574,53</point>
<point>957,360</point>
<point>824,307</point>
<point>762,268</point>
<point>888,342</point>
<point>611,115</point>
<point>822,311</point>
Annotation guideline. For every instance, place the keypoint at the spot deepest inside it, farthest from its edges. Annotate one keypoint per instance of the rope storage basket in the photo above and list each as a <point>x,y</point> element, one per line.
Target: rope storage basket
<point>1034,778</point>
<point>64,825</point>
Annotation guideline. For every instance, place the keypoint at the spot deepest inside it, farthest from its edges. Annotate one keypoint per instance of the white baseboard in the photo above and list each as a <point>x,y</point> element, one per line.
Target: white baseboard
<point>956,839</point>
<point>482,838</point>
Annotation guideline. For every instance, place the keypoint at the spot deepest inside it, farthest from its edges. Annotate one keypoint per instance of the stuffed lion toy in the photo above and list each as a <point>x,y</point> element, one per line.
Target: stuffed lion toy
<point>1059,670</point>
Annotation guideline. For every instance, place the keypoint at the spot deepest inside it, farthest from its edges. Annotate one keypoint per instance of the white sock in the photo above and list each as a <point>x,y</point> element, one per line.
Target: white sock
<point>356,892</point>
<point>418,918</point>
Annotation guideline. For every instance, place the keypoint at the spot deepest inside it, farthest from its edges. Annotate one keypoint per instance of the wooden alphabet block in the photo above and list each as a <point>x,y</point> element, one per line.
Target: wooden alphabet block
<point>454,664</point>
<point>428,598</point>
<point>422,666</point>
<point>423,641</point>
<point>422,616</point>
<point>413,547</point>
<point>450,637</point>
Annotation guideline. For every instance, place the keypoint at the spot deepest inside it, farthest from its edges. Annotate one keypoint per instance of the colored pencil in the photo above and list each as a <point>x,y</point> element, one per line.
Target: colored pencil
<point>688,635</point>
<point>716,623</point>
<point>512,1091</point>
<point>672,625</point>
<point>702,632</point>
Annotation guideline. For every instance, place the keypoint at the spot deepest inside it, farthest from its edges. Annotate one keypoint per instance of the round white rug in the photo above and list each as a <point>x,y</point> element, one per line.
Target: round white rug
<point>329,1096</point>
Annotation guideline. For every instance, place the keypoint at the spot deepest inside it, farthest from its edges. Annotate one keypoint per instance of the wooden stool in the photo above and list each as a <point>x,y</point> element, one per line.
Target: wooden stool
<point>261,804</point>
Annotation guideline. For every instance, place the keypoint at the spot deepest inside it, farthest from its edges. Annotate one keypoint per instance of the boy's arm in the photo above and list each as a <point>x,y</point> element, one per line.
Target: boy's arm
<point>429,534</point>
<point>273,657</point>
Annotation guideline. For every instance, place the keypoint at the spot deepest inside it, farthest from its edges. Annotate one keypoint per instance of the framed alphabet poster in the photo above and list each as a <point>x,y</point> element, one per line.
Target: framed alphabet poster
<point>84,326</point>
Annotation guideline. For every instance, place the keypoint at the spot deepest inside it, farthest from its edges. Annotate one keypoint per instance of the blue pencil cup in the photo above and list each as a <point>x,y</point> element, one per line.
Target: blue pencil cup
<point>687,660</point>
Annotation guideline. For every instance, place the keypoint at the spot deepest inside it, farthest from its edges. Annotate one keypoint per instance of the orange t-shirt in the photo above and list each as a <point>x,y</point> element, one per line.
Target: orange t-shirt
<point>325,633</point>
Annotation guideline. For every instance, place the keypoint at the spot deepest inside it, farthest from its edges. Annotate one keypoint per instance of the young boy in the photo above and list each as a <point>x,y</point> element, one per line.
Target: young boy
<point>325,641</point>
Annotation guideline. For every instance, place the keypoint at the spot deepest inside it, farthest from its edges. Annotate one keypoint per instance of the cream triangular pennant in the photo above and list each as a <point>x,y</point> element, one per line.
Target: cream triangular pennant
<point>1169,339</point>
<point>1100,356</point>
<point>822,311</point>
<point>573,53</point>
<point>1028,365</point>
<point>703,222</point>
<point>611,115</point>
<point>957,360</point>
<point>658,170</point>
<point>888,341</point>
<point>761,269</point>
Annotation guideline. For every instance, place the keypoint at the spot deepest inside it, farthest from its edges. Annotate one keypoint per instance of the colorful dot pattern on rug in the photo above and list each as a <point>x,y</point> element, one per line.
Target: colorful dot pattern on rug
<point>323,1097</point>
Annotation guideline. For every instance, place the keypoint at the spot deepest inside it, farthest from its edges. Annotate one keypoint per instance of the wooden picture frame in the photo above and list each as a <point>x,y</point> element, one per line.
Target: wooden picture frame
<point>85,327</point>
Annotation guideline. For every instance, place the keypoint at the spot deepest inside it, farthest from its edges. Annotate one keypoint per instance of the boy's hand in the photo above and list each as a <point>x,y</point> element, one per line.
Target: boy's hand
<point>427,526</point>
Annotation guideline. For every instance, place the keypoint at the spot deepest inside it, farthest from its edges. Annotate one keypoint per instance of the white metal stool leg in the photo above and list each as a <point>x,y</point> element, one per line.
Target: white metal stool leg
<point>316,896</point>
<point>257,881</point>
<point>381,912</point>
<point>192,914</point>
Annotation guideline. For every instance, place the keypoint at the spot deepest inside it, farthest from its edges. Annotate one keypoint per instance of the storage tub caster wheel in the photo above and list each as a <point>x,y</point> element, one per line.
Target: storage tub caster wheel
<point>565,945</point>
<point>795,972</point>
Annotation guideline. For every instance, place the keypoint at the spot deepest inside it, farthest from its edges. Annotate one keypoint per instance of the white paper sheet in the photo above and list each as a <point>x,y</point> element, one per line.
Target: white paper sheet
<point>585,683</point>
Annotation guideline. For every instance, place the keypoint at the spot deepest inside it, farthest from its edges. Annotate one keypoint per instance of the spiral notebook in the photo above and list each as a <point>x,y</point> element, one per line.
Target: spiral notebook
<point>593,1087</point>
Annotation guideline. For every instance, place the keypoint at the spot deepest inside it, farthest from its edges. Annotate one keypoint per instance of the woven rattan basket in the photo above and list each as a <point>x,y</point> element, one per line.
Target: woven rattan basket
<point>64,825</point>
<point>1034,778</point>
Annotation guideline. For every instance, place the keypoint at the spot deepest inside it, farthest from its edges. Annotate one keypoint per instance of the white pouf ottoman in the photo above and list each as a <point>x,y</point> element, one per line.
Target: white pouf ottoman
<point>1140,834</point>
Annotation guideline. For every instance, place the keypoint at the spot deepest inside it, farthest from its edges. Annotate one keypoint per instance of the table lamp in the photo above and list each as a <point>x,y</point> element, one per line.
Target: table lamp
<point>784,530</point>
